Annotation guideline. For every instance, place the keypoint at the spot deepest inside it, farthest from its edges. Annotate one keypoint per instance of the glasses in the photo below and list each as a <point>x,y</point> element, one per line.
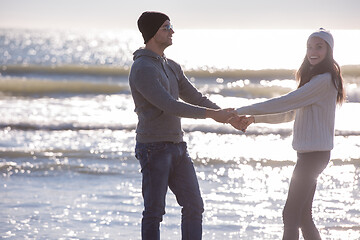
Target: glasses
<point>167,27</point>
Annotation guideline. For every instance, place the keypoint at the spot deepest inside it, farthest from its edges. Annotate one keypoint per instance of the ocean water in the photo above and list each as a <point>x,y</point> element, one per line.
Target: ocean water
<point>67,131</point>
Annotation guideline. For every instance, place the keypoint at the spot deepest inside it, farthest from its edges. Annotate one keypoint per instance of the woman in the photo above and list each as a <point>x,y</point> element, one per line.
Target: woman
<point>312,105</point>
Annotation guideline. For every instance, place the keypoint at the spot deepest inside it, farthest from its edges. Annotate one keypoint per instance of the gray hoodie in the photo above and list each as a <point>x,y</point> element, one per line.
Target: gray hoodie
<point>156,85</point>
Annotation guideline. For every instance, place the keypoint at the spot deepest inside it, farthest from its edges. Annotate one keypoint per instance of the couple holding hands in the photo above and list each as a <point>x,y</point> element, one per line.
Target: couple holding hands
<point>157,83</point>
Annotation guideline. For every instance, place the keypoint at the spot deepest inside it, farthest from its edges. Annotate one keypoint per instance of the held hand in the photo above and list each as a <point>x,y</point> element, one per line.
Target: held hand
<point>241,122</point>
<point>221,115</point>
<point>237,123</point>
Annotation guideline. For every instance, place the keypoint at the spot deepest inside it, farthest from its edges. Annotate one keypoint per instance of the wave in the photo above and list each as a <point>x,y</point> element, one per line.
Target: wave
<point>51,162</point>
<point>47,165</point>
<point>103,70</point>
<point>64,127</point>
<point>106,70</point>
<point>110,70</point>
<point>21,86</point>
<point>36,86</point>
<point>344,228</point>
<point>266,83</point>
<point>263,89</point>
<point>353,92</point>
<point>188,128</point>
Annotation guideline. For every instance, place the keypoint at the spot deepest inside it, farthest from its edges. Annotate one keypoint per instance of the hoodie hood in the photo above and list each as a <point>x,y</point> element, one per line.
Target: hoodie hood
<point>145,52</point>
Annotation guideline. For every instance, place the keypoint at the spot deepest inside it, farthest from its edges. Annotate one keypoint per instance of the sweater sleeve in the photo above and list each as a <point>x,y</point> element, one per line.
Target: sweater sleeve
<point>306,95</point>
<point>147,83</point>
<point>276,118</point>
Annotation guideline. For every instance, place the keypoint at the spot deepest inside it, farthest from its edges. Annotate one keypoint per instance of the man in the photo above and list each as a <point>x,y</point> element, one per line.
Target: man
<point>156,85</point>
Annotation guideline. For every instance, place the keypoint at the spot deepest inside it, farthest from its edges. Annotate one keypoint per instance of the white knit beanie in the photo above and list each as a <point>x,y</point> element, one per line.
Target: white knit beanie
<point>324,35</point>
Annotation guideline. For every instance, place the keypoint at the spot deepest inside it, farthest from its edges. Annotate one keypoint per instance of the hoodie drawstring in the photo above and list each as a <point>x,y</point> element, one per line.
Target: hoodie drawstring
<point>163,67</point>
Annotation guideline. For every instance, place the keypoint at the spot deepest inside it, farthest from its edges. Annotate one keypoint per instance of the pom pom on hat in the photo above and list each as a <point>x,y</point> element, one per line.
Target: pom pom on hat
<point>324,35</point>
<point>150,22</point>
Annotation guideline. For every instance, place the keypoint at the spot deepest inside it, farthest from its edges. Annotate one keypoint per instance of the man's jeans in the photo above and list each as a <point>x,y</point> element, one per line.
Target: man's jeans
<point>163,165</point>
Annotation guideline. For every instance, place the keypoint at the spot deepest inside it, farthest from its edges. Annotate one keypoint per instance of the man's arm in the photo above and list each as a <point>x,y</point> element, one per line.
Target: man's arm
<point>187,91</point>
<point>151,89</point>
<point>221,115</point>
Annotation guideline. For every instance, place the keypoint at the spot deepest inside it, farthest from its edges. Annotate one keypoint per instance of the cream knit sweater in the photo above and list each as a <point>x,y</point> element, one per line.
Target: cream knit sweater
<point>313,108</point>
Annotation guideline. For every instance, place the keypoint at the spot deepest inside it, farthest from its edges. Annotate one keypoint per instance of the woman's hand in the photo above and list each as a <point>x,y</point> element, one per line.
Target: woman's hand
<point>241,122</point>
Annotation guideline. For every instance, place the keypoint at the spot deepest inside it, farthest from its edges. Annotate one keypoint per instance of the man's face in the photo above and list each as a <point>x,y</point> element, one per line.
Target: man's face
<point>163,36</point>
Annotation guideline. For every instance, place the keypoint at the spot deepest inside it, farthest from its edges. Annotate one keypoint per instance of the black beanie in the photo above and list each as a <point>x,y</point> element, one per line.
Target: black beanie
<point>149,23</point>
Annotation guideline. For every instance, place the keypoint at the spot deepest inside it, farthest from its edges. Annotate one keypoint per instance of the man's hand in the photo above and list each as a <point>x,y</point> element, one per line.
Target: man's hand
<point>221,115</point>
<point>241,122</point>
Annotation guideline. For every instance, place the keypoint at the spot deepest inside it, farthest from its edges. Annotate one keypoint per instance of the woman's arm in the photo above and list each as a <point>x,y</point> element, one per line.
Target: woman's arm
<point>275,118</point>
<point>306,95</point>
<point>242,122</point>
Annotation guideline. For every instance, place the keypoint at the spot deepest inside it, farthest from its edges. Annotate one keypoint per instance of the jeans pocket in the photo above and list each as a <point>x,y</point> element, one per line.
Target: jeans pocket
<point>148,151</point>
<point>140,154</point>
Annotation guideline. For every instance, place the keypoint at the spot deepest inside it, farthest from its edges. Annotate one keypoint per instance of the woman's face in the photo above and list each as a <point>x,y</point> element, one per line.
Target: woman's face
<point>316,50</point>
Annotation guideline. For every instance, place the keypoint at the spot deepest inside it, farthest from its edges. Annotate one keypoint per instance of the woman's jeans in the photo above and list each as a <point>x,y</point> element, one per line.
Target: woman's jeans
<point>297,211</point>
<point>163,165</point>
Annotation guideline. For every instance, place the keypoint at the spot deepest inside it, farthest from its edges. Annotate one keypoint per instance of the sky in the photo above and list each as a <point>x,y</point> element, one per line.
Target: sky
<point>184,14</point>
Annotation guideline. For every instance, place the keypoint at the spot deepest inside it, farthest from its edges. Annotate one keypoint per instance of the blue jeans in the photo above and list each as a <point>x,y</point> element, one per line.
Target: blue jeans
<point>298,207</point>
<point>163,165</point>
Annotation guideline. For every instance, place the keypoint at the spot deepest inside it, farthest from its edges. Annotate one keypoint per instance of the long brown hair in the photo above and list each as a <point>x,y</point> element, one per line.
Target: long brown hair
<point>306,72</point>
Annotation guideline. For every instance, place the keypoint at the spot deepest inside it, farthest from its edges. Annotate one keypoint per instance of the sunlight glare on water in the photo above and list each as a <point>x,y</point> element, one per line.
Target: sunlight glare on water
<point>240,147</point>
<point>254,49</point>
